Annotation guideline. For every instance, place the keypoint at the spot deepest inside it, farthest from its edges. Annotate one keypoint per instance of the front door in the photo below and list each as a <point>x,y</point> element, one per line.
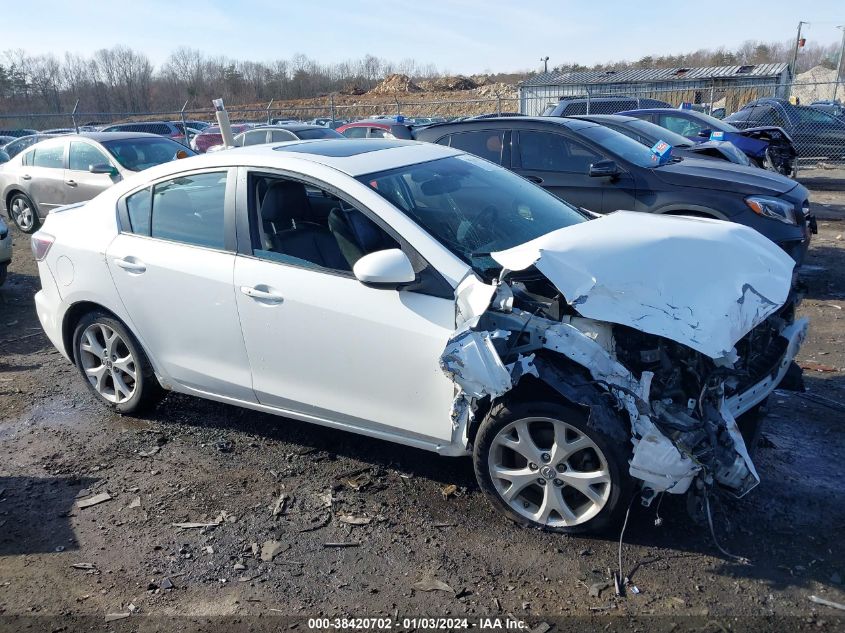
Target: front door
<point>173,269</point>
<point>561,165</point>
<point>80,184</point>
<point>323,344</point>
<point>43,179</point>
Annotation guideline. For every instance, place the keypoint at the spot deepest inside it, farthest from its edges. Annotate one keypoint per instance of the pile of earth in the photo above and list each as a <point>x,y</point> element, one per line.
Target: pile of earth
<point>396,83</point>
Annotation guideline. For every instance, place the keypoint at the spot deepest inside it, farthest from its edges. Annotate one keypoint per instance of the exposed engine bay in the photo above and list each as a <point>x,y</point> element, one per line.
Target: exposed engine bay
<point>672,387</point>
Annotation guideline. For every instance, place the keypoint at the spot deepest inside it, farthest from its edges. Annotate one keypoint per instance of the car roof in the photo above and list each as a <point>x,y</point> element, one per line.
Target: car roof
<point>354,157</point>
<point>609,118</point>
<point>510,121</point>
<point>110,136</point>
<point>293,127</point>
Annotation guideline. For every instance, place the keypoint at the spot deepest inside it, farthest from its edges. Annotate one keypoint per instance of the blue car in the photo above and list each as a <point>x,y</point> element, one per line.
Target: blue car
<point>769,147</point>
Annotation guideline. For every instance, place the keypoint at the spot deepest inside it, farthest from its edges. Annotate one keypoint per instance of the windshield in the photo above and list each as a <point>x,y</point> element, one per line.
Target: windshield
<point>621,146</point>
<point>142,153</point>
<point>308,134</point>
<point>472,206</point>
<point>650,130</point>
<point>713,123</point>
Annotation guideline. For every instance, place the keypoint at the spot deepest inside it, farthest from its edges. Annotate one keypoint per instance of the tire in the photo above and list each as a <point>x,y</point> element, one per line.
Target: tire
<point>554,505</point>
<point>23,213</point>
<point>113,365</point>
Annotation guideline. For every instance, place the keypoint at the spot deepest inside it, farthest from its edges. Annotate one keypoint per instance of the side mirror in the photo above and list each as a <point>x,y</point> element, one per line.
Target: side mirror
<point>385,269</point>
<point>705,133</point>
<point>103,168</point>
<point>604,169</point>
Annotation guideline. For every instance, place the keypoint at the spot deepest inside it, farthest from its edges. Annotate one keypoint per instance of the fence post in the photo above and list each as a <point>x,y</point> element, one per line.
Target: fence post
<point>398,108</point>
<point>184,126</point>
<point>712,94</point>
<point>498,104</point>
<point>269,105</point>
<point>331,108</point>
<point>73,116</point>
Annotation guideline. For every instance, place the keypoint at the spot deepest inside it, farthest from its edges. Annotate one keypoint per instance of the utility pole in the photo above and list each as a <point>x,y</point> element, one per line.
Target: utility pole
<point>794,65</point>
<point>839,62</point>
<point>545,61</point>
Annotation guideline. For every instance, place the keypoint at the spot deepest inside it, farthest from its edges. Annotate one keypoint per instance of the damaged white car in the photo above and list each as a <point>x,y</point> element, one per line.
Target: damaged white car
<point>417,294</point>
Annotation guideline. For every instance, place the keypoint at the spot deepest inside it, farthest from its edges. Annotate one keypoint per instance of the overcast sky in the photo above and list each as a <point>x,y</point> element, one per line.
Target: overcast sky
<point>463,36</point>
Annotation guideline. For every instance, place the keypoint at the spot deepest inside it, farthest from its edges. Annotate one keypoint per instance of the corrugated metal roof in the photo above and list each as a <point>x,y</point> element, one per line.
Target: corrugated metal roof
<point>641,75</point>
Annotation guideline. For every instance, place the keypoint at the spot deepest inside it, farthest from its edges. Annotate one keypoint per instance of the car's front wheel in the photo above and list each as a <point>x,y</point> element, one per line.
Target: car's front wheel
<point>544,467</point>
<point>23,213</point>
<point>114,365</point>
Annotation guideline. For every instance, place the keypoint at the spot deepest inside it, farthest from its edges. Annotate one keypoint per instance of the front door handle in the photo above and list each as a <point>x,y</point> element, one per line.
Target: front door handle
<point>70,183</point>
<point>535,179</point>
<point>131,265</point>
<point>261,295</point>
<point>26,177</point>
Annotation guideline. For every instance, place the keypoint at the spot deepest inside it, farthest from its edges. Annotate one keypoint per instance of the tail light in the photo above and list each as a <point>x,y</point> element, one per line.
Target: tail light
<point>41,243</point>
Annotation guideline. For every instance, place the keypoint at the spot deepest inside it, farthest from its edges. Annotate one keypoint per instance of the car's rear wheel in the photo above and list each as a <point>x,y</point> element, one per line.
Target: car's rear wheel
<point>544,467</point>
<point>23,213</point>
<point>113,365</point>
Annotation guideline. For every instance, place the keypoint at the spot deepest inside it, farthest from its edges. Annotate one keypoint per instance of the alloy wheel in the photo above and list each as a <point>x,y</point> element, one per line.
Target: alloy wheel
<point>108,363</point>
<point>23,214</point>
<point>549,472</point>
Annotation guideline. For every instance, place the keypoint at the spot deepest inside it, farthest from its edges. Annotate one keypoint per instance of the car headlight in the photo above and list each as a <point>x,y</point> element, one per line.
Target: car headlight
<point>774,208</point>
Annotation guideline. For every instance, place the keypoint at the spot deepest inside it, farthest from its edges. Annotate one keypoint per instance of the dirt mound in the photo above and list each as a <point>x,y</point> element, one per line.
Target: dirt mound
<point>450,84</point>
<point>814,85</point>
<point>396,83</point>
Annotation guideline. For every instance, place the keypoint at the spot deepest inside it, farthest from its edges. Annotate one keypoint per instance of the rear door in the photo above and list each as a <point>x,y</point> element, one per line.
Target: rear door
<point>80,183</point>
<point>44,180</point>
<point>172,265</point>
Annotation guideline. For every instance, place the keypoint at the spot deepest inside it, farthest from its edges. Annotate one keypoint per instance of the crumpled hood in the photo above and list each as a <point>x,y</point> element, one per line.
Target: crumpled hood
<point>724,176</point>
<point>700,282</point>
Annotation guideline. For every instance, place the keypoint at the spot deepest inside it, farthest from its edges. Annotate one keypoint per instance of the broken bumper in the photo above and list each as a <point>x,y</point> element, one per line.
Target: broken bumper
<point>742,402</point>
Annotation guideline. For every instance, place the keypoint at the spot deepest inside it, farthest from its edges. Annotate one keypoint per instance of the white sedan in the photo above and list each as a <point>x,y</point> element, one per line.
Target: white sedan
<point>417,294</point>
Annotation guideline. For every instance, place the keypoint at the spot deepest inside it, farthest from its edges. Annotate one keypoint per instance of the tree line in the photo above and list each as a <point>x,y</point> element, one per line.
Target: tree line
<point>121,79</point>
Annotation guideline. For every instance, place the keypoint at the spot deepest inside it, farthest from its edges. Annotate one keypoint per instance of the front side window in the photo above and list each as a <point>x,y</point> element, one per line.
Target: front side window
<point>488,144</point>
<point>306,226</point>
<point>187,209</point>
<point>83,155</point>
<point>51,156</point>
<point>544,151</point>
<point>471,207</point>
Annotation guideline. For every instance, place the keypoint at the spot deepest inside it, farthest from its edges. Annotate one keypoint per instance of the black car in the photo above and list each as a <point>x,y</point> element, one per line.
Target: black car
<point>816,134</point>
<point>648,134</point>
<point>570,106</point>
<point>601,170</point>
<point>768,146</point>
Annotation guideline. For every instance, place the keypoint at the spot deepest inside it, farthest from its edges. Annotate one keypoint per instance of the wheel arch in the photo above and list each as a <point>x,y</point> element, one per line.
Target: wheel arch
<point>693,210</point>
<point>74,314</point>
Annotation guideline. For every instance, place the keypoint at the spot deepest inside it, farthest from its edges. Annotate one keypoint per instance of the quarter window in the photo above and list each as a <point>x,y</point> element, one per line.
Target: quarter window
<point>187,209</point>
<point>51,156</point>
<point>83,155</point>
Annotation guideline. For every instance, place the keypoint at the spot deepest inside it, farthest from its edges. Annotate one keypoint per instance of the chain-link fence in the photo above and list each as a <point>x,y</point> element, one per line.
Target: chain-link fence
<point>811,113</point>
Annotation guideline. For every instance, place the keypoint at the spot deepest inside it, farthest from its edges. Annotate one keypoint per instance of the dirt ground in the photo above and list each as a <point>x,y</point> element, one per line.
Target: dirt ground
<point>364,521</point>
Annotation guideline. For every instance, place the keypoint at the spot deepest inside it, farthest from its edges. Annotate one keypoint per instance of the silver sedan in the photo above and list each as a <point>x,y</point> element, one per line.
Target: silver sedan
<point>75,168</point>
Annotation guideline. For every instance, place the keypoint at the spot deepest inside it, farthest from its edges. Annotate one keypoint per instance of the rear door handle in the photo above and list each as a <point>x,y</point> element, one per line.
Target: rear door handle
<point>70,183</point>
<point>535,179</point>
<point>131,265</point>
<point>261,295</point>
<point>26,177</point>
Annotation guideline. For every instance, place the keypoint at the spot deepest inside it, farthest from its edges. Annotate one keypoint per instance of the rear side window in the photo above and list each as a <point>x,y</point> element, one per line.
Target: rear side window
<point>487,144</point>
<point>278,136</point>
<point>50,156</point>
<point>256,137</point>
<point>355,132</point>
<point>189,209</point>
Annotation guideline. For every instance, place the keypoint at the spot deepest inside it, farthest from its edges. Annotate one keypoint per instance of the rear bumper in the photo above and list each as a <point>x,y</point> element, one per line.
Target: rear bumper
<point>794,335</point>
<point>49,306</point>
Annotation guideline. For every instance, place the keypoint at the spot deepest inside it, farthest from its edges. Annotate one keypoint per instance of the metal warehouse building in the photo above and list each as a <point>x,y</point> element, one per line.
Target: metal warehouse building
<point>735,84</point>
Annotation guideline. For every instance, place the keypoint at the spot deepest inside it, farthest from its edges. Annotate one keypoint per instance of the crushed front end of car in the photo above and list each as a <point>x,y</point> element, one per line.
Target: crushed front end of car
<point>663,330</point>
